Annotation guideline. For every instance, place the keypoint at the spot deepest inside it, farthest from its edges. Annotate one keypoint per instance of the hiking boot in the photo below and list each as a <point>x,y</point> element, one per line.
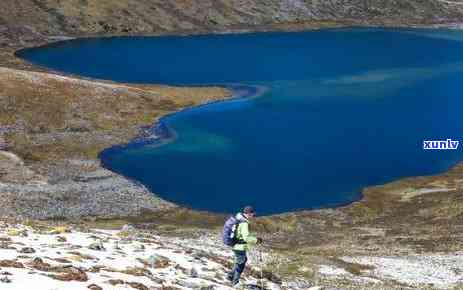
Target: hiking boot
<point>239,285</point>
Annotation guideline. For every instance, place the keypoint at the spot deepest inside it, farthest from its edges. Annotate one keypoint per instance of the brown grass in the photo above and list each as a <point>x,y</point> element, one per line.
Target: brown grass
<point>44,104</point>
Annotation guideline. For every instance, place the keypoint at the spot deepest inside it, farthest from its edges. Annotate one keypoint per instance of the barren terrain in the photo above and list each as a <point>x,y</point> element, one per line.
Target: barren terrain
<point>406,234</point>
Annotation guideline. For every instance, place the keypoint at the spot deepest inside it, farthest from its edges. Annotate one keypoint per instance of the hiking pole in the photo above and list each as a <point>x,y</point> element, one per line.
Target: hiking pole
<point>261,261</point>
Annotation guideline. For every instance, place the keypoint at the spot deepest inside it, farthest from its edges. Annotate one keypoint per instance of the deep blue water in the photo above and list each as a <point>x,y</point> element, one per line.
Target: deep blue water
<point>341,110</point>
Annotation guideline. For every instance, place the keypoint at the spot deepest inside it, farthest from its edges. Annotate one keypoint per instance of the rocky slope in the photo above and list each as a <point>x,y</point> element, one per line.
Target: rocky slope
<point>27,21</point>
<point>56,17</point>
<point>47,257</point>
<point>403,235</point>
<point>55,126</point>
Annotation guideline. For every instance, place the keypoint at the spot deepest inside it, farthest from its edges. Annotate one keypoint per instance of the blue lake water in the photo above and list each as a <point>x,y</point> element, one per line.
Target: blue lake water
<point>337,110</point>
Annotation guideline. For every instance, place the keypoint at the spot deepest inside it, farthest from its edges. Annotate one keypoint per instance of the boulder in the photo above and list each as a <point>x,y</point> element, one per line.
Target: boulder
<point>5,279</point>
<point>27,250</point>
<point>138,286</point>
<point>115,282</point>
<point>10,264</point>
<point>97,246</point>
<point>71,274</point>
<point>40,265</point>
<point>158,261</point>
<point>5,273</point>
<point>94,287</point>
<point>193,273</point>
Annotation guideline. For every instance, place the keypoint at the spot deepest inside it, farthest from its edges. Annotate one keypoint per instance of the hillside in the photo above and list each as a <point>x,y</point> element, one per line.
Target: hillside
<point>59,124</point>
<point>44,256</point>
<point>403,235</point>
<point>83,17</point>
<point>65,258</point>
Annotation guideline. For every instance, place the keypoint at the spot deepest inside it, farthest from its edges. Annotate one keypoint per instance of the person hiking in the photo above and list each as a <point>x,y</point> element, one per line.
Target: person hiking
<point>236,234</point>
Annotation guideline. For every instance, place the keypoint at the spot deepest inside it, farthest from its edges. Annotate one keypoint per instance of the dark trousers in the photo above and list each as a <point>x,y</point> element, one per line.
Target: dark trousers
<point>238,268</point>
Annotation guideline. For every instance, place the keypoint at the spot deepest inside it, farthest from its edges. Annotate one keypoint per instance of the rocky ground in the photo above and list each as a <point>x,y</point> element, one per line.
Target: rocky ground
<point>43,257</point>
<point>53,128</point>
<point>402,235</point>
<point>92,191</point>
<point>71,17</point>
<point>66,256</point>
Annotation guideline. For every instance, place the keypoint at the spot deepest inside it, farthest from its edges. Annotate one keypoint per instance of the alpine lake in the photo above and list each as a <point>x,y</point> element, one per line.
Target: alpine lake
<point>317,115</point>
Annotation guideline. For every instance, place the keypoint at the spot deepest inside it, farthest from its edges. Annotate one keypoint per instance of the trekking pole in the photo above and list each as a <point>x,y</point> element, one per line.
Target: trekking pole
<point>261,261</point>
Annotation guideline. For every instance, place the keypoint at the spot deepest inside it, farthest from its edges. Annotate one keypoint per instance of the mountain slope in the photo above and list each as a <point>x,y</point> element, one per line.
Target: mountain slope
<point>53,17</point>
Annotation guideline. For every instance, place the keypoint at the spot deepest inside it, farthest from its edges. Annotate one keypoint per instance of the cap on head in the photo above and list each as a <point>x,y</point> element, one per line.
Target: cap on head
<point>249,210</point>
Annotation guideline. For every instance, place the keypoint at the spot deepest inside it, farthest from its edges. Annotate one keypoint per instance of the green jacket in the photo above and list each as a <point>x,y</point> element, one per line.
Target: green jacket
<point>242,233</point>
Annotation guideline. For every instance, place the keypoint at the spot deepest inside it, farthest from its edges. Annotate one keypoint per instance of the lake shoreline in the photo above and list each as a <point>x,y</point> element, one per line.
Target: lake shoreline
<point>388,208</point>
<point>160,133</point>
<point>396,221</point>
<point>145,133</point>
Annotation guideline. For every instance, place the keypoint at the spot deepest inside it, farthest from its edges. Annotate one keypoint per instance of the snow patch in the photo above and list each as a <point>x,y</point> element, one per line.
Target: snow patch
<point>439,271</point>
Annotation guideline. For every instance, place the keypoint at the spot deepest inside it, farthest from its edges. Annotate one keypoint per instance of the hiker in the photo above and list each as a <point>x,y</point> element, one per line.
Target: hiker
<point>236,234</point>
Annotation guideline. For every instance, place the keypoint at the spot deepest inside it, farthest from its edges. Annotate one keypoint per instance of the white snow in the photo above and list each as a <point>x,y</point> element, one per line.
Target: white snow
<point>332,271</point>
<point>185,263</point>
<point>206,255</point>
<point>441,271</point>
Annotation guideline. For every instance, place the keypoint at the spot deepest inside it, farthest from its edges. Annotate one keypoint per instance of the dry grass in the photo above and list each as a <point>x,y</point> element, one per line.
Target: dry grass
<point>42,104</point>
<point>353,268</point>
<point>168,220</point>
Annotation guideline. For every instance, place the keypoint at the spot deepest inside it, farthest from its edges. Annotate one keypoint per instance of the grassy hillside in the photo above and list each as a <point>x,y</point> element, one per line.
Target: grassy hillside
<point>52,115</point>
<point>54,17</point>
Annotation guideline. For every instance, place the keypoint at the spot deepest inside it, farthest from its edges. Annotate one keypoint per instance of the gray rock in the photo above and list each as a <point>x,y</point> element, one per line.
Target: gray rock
<point>5,273</point>
<point>94,287</point>
<point>5,279</point>
<point>189,284</point>
<point>98,246</point>
<point>193,273</point>
<point>157,261</point>
<point>27,250</point>
<point>298,284</point>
